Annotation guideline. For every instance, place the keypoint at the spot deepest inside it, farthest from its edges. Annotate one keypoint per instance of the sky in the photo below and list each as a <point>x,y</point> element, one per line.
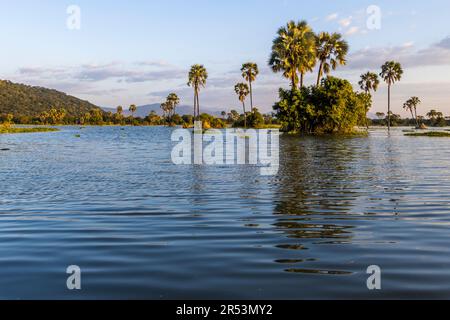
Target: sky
<point>138,51</point>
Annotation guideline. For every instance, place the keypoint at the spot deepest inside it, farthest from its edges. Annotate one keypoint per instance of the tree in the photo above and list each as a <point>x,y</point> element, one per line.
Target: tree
<point>369,81</point>
<point>333,107</point>
<point>391,72</point>
<point>331,52</point>
<point>119,114</point>
<point>133,109</point>
<point>197,79</point>
<point>432,115</point>
<point>294,51</point>
<point>173,101</point>
<point>223,114</point>
<point>437,118</point>
<point>380,115</point>
<point>242,91</point>
<point>411,105</point>
<point>255,119</point>
<point>408,107</point>
<point>153,118</point>
<point>233,116</point>
<point>250,72</point>
<point>165,107</point>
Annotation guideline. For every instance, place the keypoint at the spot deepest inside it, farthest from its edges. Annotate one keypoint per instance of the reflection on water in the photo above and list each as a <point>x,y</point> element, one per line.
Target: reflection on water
<point>112,202</point>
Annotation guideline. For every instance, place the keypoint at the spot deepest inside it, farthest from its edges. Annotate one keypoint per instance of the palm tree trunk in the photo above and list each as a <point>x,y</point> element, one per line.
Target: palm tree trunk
<point>417,120</point>
<point>319,77</point>
<point>293,84</point>
<point>195,102</point>
<point>245,115</point>
<point>412,115</point>
<point>198,104</point>
<point>251,94</point>
<point>301,80</point>
<point>389,107</point>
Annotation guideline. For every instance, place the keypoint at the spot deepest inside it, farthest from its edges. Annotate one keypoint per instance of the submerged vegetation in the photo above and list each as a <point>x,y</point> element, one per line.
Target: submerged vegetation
<point>10,130</point>
<point>428,134</point>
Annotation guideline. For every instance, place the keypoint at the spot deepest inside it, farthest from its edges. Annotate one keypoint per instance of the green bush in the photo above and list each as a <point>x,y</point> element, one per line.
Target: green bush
<point>333,107</point>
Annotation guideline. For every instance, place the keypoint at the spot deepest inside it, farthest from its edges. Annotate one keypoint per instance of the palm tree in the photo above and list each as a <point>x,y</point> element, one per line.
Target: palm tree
<point>293,51</point>
<point>242,91</point>
<point>369,81</point>
<point>391,72</point>
<point>173,101</point>
<point>165,107</point>
<point>223,114</point>
<point>415,101</point>
<point>432,115</point>
<point>197,79</point>
<point>133,109</point>
<point>119,114</point>
<point>331,52</point>
<point>250,72</point>
<point>408,107</point>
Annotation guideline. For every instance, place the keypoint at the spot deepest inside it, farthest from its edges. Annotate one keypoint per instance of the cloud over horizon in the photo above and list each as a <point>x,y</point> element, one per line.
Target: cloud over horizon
<point>407,54</point>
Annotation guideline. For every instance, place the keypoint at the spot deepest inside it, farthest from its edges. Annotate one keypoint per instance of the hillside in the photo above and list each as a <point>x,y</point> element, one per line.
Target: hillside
<point>24,100</point>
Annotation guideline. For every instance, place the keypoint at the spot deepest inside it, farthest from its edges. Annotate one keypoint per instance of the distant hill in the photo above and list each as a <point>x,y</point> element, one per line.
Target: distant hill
<point>24,100</point>
<point>143,111</point>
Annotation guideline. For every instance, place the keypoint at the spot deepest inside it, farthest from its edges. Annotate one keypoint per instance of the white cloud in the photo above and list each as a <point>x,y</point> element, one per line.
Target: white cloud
<point>352,31</point>
<point>332,17</point>
<point>345,22</point>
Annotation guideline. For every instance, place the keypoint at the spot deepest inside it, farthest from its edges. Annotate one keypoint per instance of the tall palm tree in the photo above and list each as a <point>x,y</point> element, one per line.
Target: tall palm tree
<point>391,72</point>
<point>331,52</point>
<point>197,79</point>
<point>294,51</point>
<point>173,100</point>
<point>369,81</point>
<point>119,110</point>
<point>242,91</point>
<point>250,72</point>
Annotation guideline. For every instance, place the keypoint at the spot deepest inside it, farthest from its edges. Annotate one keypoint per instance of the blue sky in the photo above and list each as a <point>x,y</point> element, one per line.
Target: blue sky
<point>139,51</point>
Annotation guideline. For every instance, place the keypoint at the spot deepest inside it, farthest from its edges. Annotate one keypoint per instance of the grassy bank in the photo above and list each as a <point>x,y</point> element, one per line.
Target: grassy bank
<point>429,134</point>
<point>12,130</point>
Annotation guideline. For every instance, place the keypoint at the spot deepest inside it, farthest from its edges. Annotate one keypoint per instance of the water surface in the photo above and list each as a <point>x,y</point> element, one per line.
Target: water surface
<point>112,202</point>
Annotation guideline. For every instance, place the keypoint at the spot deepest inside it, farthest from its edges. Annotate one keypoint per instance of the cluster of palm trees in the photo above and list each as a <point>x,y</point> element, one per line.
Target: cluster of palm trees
<point>249,72</point>
<point>169,106</point>
<point>297,50</point>
<point>391,72</point>
<point>411,105</point>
